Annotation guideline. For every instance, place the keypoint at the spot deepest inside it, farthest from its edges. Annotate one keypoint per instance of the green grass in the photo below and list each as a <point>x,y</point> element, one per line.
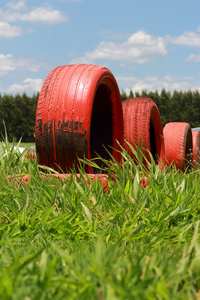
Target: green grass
<point>72,241</point>
<point>27,144</point>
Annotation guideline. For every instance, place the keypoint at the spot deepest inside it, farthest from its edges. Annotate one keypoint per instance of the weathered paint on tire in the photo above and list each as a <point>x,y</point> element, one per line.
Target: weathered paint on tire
<point>142,122</point>
<point>178,145</point>
<point>79,109</point>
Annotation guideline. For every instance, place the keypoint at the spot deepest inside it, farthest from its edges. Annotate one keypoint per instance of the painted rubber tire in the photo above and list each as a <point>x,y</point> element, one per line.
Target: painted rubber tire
<point>196,147</point>
<point>142,121</point>
<point>178,145</point>
<point>79,114</point>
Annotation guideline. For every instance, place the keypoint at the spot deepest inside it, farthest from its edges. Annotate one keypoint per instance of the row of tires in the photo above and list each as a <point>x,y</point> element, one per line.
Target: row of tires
<point>80,115</point>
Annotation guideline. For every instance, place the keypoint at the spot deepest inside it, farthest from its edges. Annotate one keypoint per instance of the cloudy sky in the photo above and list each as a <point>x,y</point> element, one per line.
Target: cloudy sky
<point>146,44</point>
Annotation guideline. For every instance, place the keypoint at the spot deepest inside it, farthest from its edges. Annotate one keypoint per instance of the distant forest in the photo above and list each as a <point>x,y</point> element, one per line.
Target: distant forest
<point>18,112</point>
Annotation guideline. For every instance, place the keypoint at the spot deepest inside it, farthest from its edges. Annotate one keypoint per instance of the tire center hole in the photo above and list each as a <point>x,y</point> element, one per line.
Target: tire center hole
<point>188,149</point>
<point>153,142</point>
<point>101,130</point>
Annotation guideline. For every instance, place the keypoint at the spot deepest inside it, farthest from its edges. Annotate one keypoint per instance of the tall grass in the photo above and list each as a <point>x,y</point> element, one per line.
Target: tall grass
<point>72,240</point>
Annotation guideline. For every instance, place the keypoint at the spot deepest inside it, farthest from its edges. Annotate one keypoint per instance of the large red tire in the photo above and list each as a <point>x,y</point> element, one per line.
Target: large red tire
<point>142,122</point>
<point>79,114</point>
<point>178,145</point>
<point>196,147</point>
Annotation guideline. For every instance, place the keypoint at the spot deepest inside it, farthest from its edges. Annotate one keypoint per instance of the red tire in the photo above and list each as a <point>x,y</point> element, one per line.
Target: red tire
<point>178,145</point>
<point>79,113</point>
<point>142,121</point>
<point>196,147</point>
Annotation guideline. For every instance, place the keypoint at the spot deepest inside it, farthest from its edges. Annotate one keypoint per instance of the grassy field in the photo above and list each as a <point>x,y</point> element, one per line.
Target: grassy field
<point>27,144</point>
<point>74,241</point>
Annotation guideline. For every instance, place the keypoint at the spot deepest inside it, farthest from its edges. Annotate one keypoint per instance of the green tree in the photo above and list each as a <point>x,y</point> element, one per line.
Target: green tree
<point>18,114</point>
<point>131,95</point>
<point>124,96</point>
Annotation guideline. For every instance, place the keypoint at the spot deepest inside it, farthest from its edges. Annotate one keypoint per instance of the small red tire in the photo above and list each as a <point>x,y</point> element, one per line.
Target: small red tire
<point>196,147</point>
<point>142,122</point>
<point>178,145</point>
<point>79,114</point>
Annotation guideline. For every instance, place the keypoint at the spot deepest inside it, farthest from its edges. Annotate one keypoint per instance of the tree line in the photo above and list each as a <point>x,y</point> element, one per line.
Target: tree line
<point>18,112</point>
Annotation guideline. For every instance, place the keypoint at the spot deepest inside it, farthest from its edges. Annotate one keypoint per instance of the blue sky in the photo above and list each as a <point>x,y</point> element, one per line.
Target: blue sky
<point>146,44</point>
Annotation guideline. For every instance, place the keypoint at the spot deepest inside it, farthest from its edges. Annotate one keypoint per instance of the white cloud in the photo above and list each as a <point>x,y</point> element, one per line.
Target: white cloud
<point>43,14</point>
<point>20,5</point>
<point>7,31</point>
<point>141,85</point>
<point>193,58</point>
<point>188,38</point>
<point>9,15</point>
<point>138,48</point>
<point>155,83</point>
<point>6,63</point>
<point>126,81</point>
<point>29,63</point>
<point>28,85</point>
<point>10,63</point>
